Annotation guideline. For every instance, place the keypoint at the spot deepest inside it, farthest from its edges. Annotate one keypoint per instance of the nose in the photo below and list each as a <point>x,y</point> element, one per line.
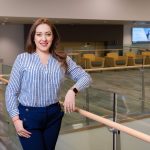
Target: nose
<point>44,37</point>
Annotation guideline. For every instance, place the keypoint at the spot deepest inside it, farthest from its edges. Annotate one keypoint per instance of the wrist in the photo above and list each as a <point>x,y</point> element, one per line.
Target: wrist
<point>15,120</point>
<point>74,90</point>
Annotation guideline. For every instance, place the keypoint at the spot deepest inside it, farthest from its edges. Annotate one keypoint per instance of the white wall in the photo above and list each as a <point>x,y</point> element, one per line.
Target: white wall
<point>127,35</point>
<point>11,42</point>
<point>78,9</point>
<point>101,139</point>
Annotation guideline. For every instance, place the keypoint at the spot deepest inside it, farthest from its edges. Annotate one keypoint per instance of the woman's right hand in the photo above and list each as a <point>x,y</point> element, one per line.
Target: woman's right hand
<point>20,129</point>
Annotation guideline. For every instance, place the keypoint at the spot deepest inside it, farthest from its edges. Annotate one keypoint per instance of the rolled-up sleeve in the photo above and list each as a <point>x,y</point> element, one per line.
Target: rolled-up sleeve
<point>76,73</point>
<point>13,88</point>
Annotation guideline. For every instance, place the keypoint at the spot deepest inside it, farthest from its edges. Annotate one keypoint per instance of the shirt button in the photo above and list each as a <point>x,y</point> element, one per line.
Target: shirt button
<point>27,109</point>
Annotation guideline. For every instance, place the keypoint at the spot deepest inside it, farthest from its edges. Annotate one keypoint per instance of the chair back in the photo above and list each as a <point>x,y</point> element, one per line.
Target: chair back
<point>130,54</point>
<point>146,53</point>
<point>113,55</point>
<point>89,56</point>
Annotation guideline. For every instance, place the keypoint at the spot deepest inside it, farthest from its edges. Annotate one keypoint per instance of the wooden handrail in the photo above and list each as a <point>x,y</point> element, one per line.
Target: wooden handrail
<point>3,80</point>
<point>114,125</point>
<point>4,75</point>
<point>105,50</point>
<point>108,122</point>
<point>117,68</point>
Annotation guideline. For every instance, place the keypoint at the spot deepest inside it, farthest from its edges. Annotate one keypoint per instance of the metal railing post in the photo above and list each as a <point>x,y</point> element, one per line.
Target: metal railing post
<point>143,90</point>
<point>116,133</point>
<point>87,104</point>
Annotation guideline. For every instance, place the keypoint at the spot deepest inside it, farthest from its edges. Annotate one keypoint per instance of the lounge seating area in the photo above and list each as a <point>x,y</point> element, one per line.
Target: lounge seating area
<point>113,59</point>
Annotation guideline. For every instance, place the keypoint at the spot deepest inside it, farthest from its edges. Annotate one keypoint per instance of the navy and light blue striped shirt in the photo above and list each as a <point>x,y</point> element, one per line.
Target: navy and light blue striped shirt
<point>35,84</point>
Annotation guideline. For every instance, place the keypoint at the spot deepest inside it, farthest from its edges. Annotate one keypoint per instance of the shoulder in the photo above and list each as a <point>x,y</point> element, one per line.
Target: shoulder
<point>68,58</point>
<point>24,55</point>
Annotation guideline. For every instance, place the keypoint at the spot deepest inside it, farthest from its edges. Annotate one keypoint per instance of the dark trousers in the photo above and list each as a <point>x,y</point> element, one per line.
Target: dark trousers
<point>44,124</point>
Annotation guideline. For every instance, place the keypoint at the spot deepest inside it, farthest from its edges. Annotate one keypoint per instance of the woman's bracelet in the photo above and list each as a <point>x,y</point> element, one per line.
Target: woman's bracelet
<point>74,90</point>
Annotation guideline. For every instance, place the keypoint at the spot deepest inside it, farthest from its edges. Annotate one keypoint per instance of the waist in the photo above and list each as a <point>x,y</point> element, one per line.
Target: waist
<point>42,109</point>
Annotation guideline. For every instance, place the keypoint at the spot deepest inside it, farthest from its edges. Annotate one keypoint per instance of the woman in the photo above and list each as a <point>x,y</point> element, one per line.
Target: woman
<point>33,91</point>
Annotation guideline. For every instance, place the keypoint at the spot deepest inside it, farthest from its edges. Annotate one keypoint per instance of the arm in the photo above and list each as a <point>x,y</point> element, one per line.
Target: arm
<point>11,96</point>
<point>13,89</point>
<point>77,74</point>
<point>82,80</point>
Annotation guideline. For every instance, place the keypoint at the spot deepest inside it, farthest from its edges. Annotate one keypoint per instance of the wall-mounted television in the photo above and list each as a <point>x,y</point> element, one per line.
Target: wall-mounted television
<point>140,35</point>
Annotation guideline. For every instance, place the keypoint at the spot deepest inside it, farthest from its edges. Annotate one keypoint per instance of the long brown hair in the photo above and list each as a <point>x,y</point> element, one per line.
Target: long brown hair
<point>31,47</point>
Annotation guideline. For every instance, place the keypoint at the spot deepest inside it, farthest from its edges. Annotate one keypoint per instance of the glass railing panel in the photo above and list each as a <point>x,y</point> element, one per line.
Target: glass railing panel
<point>6,69</point>
<point>130,117</point>
<point>88,138</point>
<point>146,90</point>
<point>8,137</point>
<point>91,99</point>
<point>127,83</point>
<point>75,126</point>
<point>135,100</point>
<point>131,143</point>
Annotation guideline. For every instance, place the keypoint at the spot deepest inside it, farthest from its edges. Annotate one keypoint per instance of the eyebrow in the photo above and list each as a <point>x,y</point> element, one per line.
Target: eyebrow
<point>45,32</point>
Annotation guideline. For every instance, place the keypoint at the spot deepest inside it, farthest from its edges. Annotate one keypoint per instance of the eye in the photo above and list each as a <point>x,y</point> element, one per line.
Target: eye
<point>38,34</point>
<point>48,34</point>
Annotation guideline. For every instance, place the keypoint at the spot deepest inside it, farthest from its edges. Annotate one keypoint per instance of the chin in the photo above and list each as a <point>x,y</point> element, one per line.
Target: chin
<point>45,49</point>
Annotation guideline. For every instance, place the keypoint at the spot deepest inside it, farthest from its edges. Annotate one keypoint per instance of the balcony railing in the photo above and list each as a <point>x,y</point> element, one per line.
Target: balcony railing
<point>110,111</point>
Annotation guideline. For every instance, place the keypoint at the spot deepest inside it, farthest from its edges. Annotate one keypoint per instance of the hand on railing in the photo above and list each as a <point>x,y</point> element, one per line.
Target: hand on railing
<point>69,103</point>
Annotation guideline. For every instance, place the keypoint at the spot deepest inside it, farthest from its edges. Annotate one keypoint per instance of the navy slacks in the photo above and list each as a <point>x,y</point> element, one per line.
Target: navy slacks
<point>44,123</point>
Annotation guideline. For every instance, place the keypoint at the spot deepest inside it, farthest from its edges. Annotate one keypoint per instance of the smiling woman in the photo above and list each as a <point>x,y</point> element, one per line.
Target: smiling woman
<point>43,38</point>
<point>35,83</point>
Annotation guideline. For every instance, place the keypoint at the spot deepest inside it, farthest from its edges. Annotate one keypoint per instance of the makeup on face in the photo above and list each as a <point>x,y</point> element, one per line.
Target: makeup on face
<point>43,37</point>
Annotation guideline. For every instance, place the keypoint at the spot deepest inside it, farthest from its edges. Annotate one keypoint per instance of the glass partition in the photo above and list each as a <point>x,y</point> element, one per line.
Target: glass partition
<point>132,143</point>
<point>146,90</point>
<point>87,138</point>
<point>8,138</point>
<point>6,69</point>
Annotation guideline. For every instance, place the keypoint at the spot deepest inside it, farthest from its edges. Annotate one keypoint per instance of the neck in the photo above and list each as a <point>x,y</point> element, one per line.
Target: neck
<point>43,53</point>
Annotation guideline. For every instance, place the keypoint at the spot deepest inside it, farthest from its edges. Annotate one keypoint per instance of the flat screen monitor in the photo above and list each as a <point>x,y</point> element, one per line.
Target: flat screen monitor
<point>140,35</point>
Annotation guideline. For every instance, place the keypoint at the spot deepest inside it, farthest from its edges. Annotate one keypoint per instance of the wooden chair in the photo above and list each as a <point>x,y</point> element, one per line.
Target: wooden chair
<point>92,61</point>
<point>114,60</point>
<point>134,59</point>
<point>146,56</point>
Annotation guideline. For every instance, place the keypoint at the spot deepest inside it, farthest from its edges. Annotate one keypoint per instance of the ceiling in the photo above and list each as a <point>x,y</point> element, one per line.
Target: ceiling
<point>23,20</point>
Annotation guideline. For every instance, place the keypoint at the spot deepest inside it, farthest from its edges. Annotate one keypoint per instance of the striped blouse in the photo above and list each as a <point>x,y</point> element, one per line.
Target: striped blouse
<point>35,84</point>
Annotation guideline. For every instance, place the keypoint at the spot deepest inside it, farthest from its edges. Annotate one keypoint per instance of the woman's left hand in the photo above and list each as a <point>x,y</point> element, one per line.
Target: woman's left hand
<point>69,103</point>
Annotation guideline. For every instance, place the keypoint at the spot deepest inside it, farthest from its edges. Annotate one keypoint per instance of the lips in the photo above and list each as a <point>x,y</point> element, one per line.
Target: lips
<point>44,44</point>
